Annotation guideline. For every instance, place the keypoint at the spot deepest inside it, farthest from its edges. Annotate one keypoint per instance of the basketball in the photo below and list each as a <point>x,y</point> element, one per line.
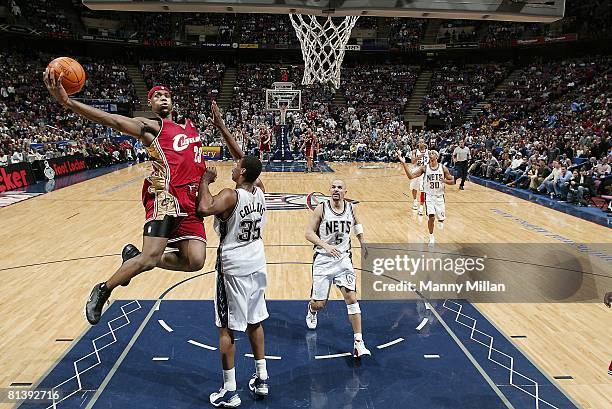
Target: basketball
<point>74,74</point>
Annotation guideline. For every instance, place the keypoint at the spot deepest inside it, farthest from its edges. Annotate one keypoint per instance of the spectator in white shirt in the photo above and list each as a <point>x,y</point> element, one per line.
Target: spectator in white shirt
<point>3,159</point>
<point>17,157</point>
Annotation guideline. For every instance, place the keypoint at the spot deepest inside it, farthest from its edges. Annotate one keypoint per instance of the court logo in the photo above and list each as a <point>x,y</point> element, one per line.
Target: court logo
<point>296,201</point>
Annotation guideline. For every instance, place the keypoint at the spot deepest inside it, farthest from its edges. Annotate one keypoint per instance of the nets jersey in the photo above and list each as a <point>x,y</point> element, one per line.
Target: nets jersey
<point>422,157</point>
<point>241,249</point>
<point>335,228</point>
<point>433,180</point>
<point>176,155</point>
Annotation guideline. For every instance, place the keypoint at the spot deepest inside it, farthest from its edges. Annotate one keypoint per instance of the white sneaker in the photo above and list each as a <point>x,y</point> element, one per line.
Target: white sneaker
<point>415,205</point>
<point>311,319</point>
<point>225,399</point>
<point>432,240</point>
<point>359,349</point>
<point>421,210</point>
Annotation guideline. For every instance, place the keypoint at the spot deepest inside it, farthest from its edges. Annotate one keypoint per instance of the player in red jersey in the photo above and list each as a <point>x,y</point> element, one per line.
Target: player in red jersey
<point>168,194</point>
<point>310,146</point>
<point>264,142</point>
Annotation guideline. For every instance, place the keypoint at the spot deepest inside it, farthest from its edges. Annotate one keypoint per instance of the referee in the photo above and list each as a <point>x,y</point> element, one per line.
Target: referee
<point>461,155</point>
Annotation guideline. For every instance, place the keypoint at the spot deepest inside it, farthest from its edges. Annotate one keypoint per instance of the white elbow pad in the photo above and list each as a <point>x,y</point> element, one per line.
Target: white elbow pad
<point>358,229</point>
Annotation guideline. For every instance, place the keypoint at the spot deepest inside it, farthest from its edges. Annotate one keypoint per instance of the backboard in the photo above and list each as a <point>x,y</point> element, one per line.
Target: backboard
<point>510,10</point>
<point>283,94</point>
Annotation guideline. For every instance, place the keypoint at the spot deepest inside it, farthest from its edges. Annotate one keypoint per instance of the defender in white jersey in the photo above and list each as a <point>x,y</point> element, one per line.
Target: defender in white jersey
<point>240,302</point>
<point>329,230</point>
<point>435,176</point>
<point>418,157</point>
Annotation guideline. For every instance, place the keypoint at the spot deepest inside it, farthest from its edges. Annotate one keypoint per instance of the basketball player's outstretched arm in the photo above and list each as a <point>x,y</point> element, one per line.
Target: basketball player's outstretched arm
<point>409,173</point>
<point>313,237</point>
<point>143,129</point>
<point>221,204</point>
<point>229,139</point>
<point>448,178</point>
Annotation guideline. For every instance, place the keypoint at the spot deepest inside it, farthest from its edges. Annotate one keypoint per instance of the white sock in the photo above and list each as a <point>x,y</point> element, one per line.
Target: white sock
<point>229,379</point>
<point>310,310</point>
<point>431,236</point>
<point>358,337</point>
<point>260,369</point>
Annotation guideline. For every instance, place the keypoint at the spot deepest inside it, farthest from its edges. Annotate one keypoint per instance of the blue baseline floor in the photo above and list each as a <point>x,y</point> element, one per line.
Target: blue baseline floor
<point>295,167</point>
<point>398,376</point>
<point>591,213</point>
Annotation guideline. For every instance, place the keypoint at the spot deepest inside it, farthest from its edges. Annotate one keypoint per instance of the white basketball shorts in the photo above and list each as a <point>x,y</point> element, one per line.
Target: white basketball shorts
<point>240,300</point>
<point>326,271</point>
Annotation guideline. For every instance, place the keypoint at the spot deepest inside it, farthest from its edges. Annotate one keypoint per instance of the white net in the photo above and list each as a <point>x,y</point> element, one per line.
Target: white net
<point>323,46</point>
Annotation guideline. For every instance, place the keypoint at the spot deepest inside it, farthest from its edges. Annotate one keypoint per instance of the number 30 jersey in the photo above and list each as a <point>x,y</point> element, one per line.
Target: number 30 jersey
<point>241,249</point>
<point>335,228</point>
<point>433,180</point>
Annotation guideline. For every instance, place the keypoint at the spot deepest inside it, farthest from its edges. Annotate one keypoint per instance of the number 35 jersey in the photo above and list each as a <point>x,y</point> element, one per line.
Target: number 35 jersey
<point>335,228</point>
<point>241,249</point>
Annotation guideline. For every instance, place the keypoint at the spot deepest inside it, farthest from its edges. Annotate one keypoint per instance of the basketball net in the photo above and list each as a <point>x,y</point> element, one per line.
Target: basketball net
<point>323,46</point>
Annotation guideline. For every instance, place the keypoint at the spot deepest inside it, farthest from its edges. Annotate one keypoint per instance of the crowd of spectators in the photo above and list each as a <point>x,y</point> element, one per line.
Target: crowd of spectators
<point>32,126</point>
<point>193,85</point>
<point>43,16</point>
<point>266,30</point>
<point>560,147</point>
<point>405,32</point>
<point>458,31</point>
<point>454,89</point>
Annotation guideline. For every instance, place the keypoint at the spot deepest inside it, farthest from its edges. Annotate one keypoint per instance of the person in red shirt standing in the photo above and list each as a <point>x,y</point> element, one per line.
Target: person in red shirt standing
<point>168,193</point>
<point>264,142</point>
<point>310,146</point>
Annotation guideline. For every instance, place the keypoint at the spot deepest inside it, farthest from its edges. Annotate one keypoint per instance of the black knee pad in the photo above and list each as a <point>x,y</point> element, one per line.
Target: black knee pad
<point>159,228</point>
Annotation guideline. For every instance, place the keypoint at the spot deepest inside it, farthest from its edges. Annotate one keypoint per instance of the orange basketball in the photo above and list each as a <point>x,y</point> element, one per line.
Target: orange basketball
<point>74,74</point>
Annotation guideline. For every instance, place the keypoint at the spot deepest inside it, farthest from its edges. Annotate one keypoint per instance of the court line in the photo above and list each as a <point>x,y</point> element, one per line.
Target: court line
<point>118,362</point>
<point>199,344</point>
<point>272,357</point>
<point>472,360</point>
<point>63,355</point>
<point>512,372</point>
<point>333,355</point>
<point>388,344</point>
<point>163,324</point>
<point>525,355</point>
<point>422,324</point>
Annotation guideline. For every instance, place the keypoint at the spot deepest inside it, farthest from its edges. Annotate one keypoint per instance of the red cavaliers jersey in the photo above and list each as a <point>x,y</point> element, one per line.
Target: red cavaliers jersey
<point>177,156</point>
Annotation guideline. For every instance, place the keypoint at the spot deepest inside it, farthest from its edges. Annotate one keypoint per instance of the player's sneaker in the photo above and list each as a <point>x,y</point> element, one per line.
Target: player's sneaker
<point>129,251</point>
<point>93,308</point>
<point>311,319</point>
<point>359,349</point>
<point>432,240</point>
<point>258,386</point>
<point>225,399</point>
<point>415,205</point>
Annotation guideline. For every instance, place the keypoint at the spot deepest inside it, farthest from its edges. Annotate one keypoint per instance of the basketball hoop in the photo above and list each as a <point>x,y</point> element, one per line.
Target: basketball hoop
<point>323,46</point>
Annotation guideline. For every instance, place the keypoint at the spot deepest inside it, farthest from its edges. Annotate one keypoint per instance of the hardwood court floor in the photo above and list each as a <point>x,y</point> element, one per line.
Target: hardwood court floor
<point>56,246</point>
